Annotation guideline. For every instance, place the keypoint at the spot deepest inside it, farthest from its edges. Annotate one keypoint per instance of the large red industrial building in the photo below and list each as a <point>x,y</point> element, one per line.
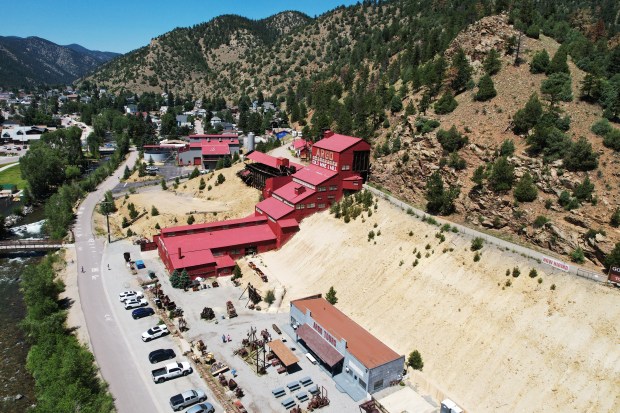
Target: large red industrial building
<point>339,164</point>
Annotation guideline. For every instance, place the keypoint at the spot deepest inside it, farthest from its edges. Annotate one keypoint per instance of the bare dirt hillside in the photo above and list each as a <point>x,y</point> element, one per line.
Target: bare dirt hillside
<point>232,199</point>
<point>491,342</point>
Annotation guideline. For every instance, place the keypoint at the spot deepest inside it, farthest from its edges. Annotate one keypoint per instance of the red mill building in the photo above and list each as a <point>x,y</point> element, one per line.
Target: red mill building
<point>340,164</point>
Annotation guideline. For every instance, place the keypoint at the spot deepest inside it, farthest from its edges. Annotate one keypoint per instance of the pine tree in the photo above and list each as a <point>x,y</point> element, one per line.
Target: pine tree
<point>126,173</point>
<point>526,118</point>
<point>175,279</point>
<point>583,191</point>
<point>559,62</point>
<point>415,360</point>
<point>492,63</point>
<point>331,296</point>
<point>185,280</point>
<point>580,156</point>
<point>396,104</point>
<point>540,62</point>
<point>486,89</point>
<point>462,71</point>
<point>410,109</point>
<point>525,190</point>
<point>445,104</point>
<point>502,175</point>
<point>439,200</point>
<point>478,177</point>
<point>557,87</point>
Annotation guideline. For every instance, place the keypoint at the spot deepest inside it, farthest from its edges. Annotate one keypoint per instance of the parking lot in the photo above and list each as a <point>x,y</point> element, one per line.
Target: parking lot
<point>258,389</point>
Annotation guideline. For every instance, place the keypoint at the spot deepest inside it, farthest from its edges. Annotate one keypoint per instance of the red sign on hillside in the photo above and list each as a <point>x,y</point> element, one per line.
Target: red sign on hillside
<point>614,275</point>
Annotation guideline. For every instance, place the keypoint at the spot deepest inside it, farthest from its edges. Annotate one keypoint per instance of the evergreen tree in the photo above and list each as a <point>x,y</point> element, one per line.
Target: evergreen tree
<point>396,104</point>
<point>502,175</point>
<point>583,191</point>
<point>492,63</point>
<point>559,62</point>
<point>445,104</point>
<point>439,200</point>
<point>185,280</point>
<point>526,118</point>
<point>540,62</point>
<point>580,156</point>
<point>126,173</point>
<point>410,109</point>
<point>507,148</point>
<point>478,177</point>
<point>175,279</point>
<point>525,190</point>
<point>415,360</point>
<point>462,71</point>
<point>486,89</point>
<point>615,218</point>
<point>557,87</point>
<point>451,140</point>
<point>331,296</point>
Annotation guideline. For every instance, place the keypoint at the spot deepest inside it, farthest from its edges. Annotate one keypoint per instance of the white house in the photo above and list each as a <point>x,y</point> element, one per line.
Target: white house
<point>22,134</point>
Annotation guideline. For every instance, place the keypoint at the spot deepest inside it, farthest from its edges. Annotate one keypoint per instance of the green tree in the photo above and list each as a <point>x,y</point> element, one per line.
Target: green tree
<point>175,279</point>
<point>237,272</point>
<point>525,190</point>
<point>580,156</point>
<point>439,200</point>
<point>584,190</point>
<point>270,297</point>
<point>445,104</point>
<point>126,173</point>
<point>154,211</point>
<point>195,173</point>
<point>462,71</point>
<point>396,105</point>
<point>486,89</point>
<point>185,280</point>
<point>559,63</point>
<point>507,148</point>
<point>415,360</point>
<point>614,220</point>
<point>478,177</point>
<point>331,296</point>
<point>502,175</point>
<point>613,258</point>
<point>202,185</point>
<point>492,63</point>
<point>610,140</point>
<point>163,184</point>
<point>220,179</point>
<point>540,62</point>
<point>43,168</point>
<point>556,88</point>
<point>451,140</point>
<point>526,118</point>
<point>191,220</point>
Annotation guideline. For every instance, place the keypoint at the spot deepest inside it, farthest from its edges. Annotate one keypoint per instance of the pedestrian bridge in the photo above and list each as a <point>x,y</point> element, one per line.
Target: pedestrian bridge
<point>30,245</point>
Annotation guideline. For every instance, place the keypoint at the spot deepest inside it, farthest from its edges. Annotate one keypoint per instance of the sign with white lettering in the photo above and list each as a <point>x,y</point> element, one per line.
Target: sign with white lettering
<point>328,337</point>
<point>324,159</point>
<point>614,275</point>
<point>556,264</point>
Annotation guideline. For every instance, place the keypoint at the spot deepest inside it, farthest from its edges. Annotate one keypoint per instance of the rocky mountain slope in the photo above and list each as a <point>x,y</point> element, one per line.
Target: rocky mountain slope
<point>33,61</point>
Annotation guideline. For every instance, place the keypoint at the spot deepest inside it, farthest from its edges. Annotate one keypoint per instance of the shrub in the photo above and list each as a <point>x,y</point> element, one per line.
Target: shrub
<point>456,162</point>
<point>163,184</point>
<point>440,200</point>
<point>331,296</point>
<point>533,31</point>
<point>415,360</point>
<point>615,218</point>
<point>540,221</point>
<point>552,288</point>
<point>557,87</point>
<point>601,127</point>
<point>526,118</point>
<point>540,62</point>
<point>502,175</point>
<point>580,156</point>
<point>202,185</point>
<point>129,232</point>
<point>476,257</point>
<point>125,222</point>
<point>533,273</point>
<point>540,281</point>
<point>578,256</point>
<point>195,173</point>
<point>477,244</point>
<point>492,63</point>
<point>154,211</point>
<point>583,191</point>
<point>445,104</point>
<point>191,220</point>
<point>220,179</point>
<point>525,190</point>
<point>451,140</point>
<point>507,148</point>
<point>516,272</point>
<point>612,139</point>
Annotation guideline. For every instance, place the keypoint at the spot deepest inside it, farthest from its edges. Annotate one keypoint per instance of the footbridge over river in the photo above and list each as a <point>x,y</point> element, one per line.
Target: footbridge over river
<point>30,245</point>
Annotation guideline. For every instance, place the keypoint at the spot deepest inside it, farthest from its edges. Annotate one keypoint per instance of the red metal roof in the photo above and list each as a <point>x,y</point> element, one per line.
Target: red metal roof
<point>288,223</point>
<point>196,248</point>
<point>365,347</point>
<point>216,149</point>
<point>274,208</point>
<point>215,225</point>
<point>337,143</point>
<point>224,135</point>
<point>353,178</point>
<point>224,261</point>
<point>314,175</point>
<point>322,348</point>
<point>288,192</point>
<point>269,160</point>
<point>300,143</point>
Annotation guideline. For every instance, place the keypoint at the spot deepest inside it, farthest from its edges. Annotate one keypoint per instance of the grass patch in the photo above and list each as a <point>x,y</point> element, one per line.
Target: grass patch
<point>13,175</point>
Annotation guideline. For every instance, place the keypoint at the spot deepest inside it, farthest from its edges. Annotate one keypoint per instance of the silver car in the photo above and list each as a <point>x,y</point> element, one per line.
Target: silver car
<point>187,398</point>
<point>201,408</point>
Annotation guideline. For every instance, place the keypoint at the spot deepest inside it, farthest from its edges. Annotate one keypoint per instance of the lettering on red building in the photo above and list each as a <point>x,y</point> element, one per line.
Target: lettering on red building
<point>328,337</point>
<point>324,159</point>
<point>614,275</point>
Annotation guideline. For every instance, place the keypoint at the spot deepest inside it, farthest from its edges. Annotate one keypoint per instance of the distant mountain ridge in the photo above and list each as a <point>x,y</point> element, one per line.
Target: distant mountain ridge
<point>32,60</point>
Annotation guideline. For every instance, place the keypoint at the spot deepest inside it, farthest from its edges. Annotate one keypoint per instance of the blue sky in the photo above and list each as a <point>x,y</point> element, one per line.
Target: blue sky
<point>124,25</point>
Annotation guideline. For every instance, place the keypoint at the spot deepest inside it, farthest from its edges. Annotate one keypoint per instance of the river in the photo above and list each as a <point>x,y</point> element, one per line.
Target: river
<point>16,384</point>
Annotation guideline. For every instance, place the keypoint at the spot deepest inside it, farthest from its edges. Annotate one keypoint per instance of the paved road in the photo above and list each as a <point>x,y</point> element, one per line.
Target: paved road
<point>9,159</point>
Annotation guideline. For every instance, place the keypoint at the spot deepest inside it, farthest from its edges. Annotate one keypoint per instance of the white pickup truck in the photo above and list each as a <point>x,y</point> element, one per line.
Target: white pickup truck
<point>171,371</point>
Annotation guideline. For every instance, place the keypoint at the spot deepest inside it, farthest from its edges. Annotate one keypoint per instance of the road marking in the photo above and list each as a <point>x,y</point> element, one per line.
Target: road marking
<point>80,248</point>
<point>107,317</point>
<point>91,240</point>
<point>94,277</point>
<point>94,270</point>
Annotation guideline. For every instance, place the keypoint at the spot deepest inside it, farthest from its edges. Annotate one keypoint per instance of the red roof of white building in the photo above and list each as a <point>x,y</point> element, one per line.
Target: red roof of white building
<point>214,225</point>
<point>314,175</point>
<point>215,149</point>
<point>274,208</point>
<point>337,142</point>
<point>269,160</point>
<point>300,143</point>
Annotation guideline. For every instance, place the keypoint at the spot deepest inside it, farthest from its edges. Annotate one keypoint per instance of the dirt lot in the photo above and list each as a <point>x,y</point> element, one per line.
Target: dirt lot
<point>486,345</point>
<point>232,199</point>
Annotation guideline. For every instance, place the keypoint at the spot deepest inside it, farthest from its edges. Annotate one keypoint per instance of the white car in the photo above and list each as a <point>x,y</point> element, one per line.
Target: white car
<point>130,295</point>
<point>155,332</point>
<point>135,303</point>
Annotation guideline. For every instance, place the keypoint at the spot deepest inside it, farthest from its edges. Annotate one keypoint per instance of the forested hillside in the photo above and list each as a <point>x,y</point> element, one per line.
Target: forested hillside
<point>473,107</point>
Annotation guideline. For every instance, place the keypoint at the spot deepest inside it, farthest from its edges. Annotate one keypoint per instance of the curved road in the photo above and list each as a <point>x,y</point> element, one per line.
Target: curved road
<point>113,355</point>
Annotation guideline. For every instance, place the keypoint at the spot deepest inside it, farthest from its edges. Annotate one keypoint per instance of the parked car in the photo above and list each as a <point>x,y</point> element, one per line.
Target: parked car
<point>171,371</point>
<point>201,408</point>
<point>155,332</point>
<point>129,295</point>
<point>152,168</point>
<point>161,354</point>
<point>135,303</point>
<point>187,398</point>
<point>142,312</point>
